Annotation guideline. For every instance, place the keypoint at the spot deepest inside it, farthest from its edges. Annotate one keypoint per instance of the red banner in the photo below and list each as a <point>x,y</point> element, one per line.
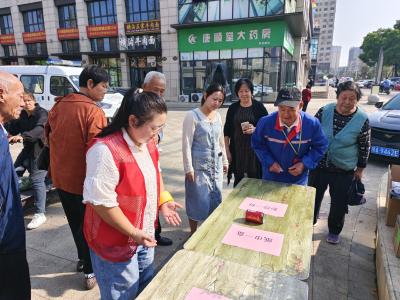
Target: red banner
<point>102,30</point>
<point>68,33</point>
<point>34,37</point>
<point>152,26</point>
<point>7,39</point>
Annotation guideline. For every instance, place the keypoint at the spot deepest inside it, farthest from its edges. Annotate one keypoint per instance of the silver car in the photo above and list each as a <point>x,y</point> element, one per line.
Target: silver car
<point>385,130</point>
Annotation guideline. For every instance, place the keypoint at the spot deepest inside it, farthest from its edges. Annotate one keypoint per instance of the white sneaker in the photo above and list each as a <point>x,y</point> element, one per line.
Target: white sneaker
<point>37,220</point>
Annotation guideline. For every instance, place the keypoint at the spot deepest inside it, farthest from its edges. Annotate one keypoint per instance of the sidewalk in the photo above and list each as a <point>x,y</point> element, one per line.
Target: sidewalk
<point>345,271</point>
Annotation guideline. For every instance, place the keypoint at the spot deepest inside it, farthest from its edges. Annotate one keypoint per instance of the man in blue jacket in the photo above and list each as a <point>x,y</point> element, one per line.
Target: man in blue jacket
<point>289,142</point>
<point>14,271</point>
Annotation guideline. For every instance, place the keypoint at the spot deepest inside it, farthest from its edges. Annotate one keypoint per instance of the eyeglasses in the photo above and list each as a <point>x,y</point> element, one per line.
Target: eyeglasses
<point>156,129</point>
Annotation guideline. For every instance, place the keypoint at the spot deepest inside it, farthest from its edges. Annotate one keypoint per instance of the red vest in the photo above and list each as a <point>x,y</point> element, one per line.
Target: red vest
<point>103,239</point>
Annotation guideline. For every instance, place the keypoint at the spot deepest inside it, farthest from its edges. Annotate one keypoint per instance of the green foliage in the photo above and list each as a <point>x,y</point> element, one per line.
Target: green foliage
<point>388,39</point>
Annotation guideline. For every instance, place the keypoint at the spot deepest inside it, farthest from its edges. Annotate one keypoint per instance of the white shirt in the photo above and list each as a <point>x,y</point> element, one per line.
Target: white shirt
<point>189,125</point>
<point>102,178</point>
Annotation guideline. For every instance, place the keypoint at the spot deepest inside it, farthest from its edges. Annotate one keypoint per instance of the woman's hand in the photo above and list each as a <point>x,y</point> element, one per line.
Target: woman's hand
<point>142,238</point>
<point>168,210</point>
<point>190,176</point>
<point>225,168</point>
<point>228,155</point>
<point>358,173</point>
<point>250,129</point>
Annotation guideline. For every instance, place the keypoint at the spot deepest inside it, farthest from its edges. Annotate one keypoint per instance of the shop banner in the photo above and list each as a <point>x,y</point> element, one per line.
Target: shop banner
<point>96,31</point>
<point>235,36</point>
<point>152,26</point>
<point>34,37</point>
<point>7,39</point>
<point>67,33</point>
<point>288,42</point>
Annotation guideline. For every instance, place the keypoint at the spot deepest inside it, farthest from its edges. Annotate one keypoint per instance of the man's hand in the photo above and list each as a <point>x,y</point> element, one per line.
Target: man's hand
<point>190,176</point>
<point>296,169</point>
<point>228,155</point>
<point>15,139</point>
<point>168,210</point>
<point>358,173</point>
<point>275,168</point>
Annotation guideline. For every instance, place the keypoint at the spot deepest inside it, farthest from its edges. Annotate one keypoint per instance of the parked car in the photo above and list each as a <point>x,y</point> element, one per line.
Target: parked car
<point>344,79</point>
<point>262,90</point>
<point>360,83</point>
<point>385,130</point>
<point>368,83</point>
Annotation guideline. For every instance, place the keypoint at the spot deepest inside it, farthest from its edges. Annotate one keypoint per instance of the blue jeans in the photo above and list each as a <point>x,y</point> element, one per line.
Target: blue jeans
<point>123,280</point>
<point>38,178</point>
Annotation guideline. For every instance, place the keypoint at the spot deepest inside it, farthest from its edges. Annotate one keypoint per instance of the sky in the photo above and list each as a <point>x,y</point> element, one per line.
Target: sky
<point>356,18</point>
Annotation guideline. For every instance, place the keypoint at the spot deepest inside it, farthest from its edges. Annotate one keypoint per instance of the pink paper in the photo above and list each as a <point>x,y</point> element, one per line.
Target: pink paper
<point>267,207</point>
<point>254,239</point>
<point>199,294</point>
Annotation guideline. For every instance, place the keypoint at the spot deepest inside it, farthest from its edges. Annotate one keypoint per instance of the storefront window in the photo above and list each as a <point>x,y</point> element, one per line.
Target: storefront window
<point>102,12</point>
<point>141,65</point>
<point>67,16</point>
<point>289,70</point>
<point>113,66</point>
<point>260,65</point>
<point>33,20</point>
<point>70,46</point>
<point>37,49</point>
<point>10,50</point>
<point>104,44</point>
<point>215,10</point>
<point>142,10</point>
<point>6,25</point>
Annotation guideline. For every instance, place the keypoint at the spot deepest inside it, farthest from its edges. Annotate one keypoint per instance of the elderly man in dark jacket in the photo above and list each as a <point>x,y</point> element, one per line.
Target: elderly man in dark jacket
<point>29,129</point>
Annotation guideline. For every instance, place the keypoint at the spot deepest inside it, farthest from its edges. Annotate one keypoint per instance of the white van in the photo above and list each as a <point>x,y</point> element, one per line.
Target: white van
<point>48,82</point>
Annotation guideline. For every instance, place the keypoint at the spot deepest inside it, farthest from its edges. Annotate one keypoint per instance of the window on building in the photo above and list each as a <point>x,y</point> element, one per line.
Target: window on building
<point>10,50</point>
<point>104,44</point>
<point>37,49</point>
<point>113,67</point>
<point>67,16</point>
<point>70,46</point>
<point>33,20</point>
<point>102,12</point>
<point>6,25</point>
<point>142,10</point>
<point>213,10</point>
<point>33,83</point>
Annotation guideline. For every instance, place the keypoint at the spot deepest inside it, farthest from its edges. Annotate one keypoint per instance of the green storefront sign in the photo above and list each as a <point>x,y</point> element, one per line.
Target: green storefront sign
<point>236,36</point>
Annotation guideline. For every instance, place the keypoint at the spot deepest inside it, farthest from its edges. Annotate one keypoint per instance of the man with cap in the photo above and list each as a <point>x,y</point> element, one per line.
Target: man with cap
<point>289,142</point>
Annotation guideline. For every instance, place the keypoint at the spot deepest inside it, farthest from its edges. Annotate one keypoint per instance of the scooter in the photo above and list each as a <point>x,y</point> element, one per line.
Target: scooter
<point>383,89</point>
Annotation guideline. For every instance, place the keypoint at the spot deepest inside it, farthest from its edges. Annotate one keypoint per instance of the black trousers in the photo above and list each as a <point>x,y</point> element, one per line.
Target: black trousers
<point>305,104</point>
<point>75,211</point>
<point>339,185</point>
<point>15,283</point>
<point>158,229</point>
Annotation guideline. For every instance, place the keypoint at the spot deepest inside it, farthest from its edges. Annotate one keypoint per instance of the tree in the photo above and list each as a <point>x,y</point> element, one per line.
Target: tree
<point>389,40</point>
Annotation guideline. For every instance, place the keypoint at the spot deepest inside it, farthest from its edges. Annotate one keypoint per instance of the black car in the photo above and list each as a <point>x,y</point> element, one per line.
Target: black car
<point>385,130</point>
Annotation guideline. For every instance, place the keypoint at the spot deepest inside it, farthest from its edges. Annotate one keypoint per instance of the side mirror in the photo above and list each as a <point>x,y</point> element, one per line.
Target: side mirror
<point>378,104</point>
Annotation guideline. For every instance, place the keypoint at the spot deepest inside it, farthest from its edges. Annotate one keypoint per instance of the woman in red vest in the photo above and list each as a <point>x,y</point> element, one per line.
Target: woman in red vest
<point>122,190</point>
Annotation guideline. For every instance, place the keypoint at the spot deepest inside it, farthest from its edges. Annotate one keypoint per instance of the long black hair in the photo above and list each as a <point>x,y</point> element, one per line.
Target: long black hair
<point>142,105</point>
<point>212,88</point>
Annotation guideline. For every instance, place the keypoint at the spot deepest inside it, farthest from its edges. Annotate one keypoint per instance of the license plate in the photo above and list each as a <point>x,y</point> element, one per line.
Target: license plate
<point>385,151</point>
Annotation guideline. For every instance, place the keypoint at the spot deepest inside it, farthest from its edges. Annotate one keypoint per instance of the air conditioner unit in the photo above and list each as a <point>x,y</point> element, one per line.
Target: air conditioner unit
<point>196,97</point>
<point>183,98</point>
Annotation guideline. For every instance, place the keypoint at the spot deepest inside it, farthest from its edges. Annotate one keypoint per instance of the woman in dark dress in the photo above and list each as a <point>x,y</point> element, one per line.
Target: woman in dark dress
<point>241,121</point>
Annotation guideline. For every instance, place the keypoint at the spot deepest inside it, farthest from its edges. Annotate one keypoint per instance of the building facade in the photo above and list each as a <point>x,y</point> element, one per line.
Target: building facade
<point>191,42</point>
<point>335,59</point>
<point>325,21</point>
<point>354,63</point>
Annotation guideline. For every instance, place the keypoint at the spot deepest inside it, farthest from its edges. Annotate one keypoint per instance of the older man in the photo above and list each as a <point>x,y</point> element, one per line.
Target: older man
<point>155,82</point>
<point>14,270</point>
<point>289,142</point>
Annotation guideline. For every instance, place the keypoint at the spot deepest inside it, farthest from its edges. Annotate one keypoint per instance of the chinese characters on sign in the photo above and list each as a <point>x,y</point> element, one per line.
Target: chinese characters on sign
<point>218,37</point>
<point>95,31</point>
<point>152,26</point>
<point>267,207</point>
<point>67,33</point>
<point>139,42</point>
<point>33,37</point>
<point>254,239</point>
<point>7,39</point>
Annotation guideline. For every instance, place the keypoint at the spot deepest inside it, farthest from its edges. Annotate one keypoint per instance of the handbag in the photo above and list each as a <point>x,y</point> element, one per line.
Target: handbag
<point>356,193</point>
<point>43,160</point>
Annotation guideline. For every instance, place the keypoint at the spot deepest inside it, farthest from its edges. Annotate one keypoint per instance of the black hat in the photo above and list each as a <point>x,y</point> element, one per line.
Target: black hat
<point>288,97</point>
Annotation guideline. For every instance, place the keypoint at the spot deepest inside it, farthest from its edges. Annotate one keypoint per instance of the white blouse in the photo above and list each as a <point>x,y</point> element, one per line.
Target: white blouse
<point>189,125</point>
<point>102,178</point>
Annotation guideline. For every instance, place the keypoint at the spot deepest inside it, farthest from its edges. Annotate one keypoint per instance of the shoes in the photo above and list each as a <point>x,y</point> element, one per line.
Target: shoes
<point>90,281</point>
<point>163,241</point>
<point>333,238</point>
<point>37,220</point>
<point>79,265</point>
